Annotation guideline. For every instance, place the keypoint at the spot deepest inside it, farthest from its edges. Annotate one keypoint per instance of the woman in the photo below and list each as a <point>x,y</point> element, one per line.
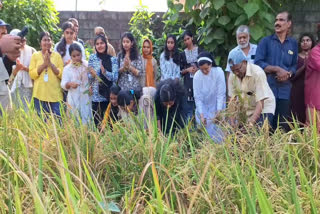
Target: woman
<point>149,65</point>
<point>130,71</point>
<point>101,63</point>
<point>170,101</point>
<point>63,46</point>
<point>170,59</point>
<point>209,93</point>
<point>298,109</point>
<point>22,85</point>
<point>75,81</point>
<point>188,69</point>
<point>46,71</point>
<point>312,86</point>
<point>112,113</point>
<point>100,31</point>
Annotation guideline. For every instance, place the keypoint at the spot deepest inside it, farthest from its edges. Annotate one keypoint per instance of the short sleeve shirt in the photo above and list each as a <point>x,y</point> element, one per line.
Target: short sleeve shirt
<point>252,89</point>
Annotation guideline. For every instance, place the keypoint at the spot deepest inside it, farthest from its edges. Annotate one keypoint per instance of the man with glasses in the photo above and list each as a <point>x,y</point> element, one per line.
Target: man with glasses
<point>249,89</point>
<point>277,55</point>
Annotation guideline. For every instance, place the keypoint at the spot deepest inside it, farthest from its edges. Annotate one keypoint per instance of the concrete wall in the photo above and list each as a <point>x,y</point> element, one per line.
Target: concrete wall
<point>305,17</point>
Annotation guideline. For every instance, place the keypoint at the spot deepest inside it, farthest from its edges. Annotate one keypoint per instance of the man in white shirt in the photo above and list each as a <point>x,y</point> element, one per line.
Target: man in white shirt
<point>244,46</point>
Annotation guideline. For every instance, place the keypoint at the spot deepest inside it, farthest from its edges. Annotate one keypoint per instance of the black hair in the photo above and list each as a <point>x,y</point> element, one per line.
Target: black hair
<point>289,17</point>
<point>61,48</point>
<point>308,35</point>
<point>134,50</point>
<point>103,38</point>
<point>170,90</point>
<point>43,34</point>
<point>208,55</point>
<point>187,33</point>
<point>115,89</point>
<point>126,96</point>
<point>175,54</point>
<point>74,47</point>
<point>73,20</point>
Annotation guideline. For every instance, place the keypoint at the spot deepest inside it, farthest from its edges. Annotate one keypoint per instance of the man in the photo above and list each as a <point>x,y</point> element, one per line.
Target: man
<point>248,86</point>
<point>75,23</point>
<point>244,46</point>
<point>3,28</point>
<point>277,55</point>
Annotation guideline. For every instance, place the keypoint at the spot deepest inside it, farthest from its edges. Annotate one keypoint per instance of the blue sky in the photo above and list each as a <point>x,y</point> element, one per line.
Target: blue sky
<point>111,5</point>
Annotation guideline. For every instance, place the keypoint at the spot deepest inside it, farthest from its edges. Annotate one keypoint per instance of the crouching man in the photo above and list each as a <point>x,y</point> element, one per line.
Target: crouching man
<point>249,91</point>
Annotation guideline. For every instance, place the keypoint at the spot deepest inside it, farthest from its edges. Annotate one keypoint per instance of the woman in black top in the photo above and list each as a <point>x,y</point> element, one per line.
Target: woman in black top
<point>170,102</point>
<point>189,67</point>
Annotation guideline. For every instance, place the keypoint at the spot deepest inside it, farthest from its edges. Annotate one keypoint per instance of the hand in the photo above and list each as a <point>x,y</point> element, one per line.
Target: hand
<point>46,60</point>
<point>68,62</point>
<point>103,71</point>
<point>92,72</point>
<point>203,120</point>
<point>90,91</point>
<point>73,84</point>
<point>282,75</point>
<point>127,63</point>
<point>11,45</point>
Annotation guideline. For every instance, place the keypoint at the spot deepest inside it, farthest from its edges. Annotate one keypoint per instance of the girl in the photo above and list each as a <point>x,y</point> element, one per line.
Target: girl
<point>188,68</point>
<point>210,94</point>
<point>170,60</point>
<point>112,112</point>
<point>102,65</point>
<point>170,101</point>
<point>100,31</point>
<point>67,39</point>
<point>297,105</point>
<point>75,81</point>
<point>150,65</point>
<point>130,61</point>
<point>46,71</point>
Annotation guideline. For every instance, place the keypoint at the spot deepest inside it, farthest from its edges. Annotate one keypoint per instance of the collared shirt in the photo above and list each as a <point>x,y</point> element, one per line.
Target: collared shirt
<point>271,51</point>
<point>47,84</point>
<point>250,57</point>
<point>252,89</point>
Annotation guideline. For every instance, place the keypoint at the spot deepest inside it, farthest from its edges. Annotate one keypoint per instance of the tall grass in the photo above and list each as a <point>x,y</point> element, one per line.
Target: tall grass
<point>70,168</point>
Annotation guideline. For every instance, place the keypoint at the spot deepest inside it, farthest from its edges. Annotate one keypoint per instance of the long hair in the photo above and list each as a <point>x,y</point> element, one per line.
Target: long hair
<point>170,90</point>
<point>175,52</point>
<point>62,46</point>
<point>308,35</point>
<point>133,50</point>
<point>43,34</point>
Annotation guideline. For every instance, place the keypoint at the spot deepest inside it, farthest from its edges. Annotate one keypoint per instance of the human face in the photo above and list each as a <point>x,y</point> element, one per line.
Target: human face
<point>170,44</point>
<point>3,31</point>
<point>168,104</point>
<point>113,100</point>
<point>205,68</point>
<point>126,43</point>
<point>146,49</point>
<point>306,43</point>
<point>76,56</point>
<point>75,27</point>
<point>240,69</point>
<point>69,35</point>
<point>46,43</point>
<point>100,46</point>
<point>187,41</point>
<point>282,24</point>
<point>243,40</point>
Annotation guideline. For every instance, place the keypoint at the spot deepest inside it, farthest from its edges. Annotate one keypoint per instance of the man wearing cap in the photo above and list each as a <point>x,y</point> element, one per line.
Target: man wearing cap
<point>244,46</point>
<point>277,55</point>
<point>248,83</point>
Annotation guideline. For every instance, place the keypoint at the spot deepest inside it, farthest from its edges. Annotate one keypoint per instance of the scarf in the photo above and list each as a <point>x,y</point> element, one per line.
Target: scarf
<point>149,67</point>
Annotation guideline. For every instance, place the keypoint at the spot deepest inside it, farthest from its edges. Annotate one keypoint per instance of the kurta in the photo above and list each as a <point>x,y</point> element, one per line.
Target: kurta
<point>78,99</point>
<point>210,97</point>
<point>128,80</point>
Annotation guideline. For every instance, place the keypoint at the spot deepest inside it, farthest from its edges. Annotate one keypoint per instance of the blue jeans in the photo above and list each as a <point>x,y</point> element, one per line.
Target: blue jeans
<point>282,113</point>
<point>189,108</point>
<point>265,116</point>
<point>47,107</point>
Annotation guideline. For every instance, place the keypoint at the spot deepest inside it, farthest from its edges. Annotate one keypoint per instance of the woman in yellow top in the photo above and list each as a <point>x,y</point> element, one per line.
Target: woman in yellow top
<point>46,71</point>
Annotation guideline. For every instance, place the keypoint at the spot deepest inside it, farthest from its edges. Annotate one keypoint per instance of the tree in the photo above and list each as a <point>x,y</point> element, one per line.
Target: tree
<point>38,15</point>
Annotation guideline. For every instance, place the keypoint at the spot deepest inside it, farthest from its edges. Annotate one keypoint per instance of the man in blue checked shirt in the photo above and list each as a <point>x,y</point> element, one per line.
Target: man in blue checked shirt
<point>277,55</point>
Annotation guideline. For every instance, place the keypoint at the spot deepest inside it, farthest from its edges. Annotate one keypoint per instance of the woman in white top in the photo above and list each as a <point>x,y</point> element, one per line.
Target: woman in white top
<point>67,39</point>
<point>210,94</point>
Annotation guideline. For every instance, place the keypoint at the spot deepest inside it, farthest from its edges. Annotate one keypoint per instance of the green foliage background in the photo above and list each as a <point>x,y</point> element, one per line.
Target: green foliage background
<point>38,15</point>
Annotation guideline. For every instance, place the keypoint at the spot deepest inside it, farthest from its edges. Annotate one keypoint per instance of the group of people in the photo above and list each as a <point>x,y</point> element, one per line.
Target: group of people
<point>276,80</point>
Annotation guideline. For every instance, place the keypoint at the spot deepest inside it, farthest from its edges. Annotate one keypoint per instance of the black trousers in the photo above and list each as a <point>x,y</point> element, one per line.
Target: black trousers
<point>98,110</point>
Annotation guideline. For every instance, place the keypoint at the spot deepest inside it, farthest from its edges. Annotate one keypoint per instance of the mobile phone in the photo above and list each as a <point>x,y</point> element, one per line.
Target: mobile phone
<point>23,32</point>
